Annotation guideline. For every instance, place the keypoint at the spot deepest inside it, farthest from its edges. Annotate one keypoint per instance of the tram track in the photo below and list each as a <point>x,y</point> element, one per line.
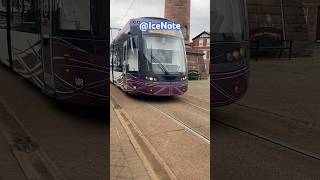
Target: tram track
<point>194,129</point>
<point>182,123</point>
<point>193,105</point>
<point>182,146</point>
<point>267,138</point>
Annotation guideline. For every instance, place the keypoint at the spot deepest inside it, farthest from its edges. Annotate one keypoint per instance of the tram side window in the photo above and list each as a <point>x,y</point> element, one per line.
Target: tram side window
<point>75,15</point>
<point>133,54</point>
<point>80,18</point>
<point>3,12</point>
<point>25,16</point>
<point>117,63</point>
<point>111,59</point>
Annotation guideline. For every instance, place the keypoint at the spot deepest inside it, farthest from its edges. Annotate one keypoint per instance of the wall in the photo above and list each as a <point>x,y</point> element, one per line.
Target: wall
<point>179,10</point>
<point>205,47</point>
<point>268,13</point>
<point>312,7</point>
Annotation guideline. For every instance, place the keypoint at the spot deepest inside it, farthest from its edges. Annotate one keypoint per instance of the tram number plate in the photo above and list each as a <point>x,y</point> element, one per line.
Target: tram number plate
<point>78,82</point>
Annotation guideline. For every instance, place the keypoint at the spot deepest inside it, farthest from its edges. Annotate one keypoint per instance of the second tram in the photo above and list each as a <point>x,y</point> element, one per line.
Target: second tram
<point>230,51</point>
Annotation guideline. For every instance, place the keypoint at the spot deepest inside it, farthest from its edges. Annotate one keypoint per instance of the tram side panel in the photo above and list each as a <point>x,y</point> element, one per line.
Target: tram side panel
<point>80,72</point>
<point>26,56</point>
<point>117,70</point>
<point>79,53</point>
<point>4,57</point>
<point>25,41</point>
<point>80,65</point>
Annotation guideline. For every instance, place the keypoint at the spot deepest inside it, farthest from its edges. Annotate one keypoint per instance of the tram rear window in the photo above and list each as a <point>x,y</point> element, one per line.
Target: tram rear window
<point>3,5</point>
<point>3,11</point>
<point>75,15</point>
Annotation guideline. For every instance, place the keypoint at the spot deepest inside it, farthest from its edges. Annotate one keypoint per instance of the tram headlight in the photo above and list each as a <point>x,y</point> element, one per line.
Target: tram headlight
<point>229,57</point>
<point>236,54</point>
<point>183,78</point>
<point>151,78</point>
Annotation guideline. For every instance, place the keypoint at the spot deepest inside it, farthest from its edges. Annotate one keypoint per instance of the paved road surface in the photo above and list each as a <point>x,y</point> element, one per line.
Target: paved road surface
<point>273,133</point>
<point>185,153</point>
<point>73,137</point>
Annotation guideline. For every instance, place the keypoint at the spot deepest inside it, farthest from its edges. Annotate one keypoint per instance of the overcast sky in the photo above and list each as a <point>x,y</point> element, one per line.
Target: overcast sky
<point>200,13</point>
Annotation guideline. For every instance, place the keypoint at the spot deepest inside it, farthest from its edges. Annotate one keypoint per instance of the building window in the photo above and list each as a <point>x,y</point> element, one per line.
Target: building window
<point>306,13</point>
<point>201,42</point>
<point>205,55</point>
<point>208,42</point>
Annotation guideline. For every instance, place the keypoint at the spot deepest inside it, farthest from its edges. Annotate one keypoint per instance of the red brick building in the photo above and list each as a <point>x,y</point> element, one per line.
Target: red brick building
<point>312,15</point>
<point>202,43</point>
<point>179,10</point>
<point>196,64</point>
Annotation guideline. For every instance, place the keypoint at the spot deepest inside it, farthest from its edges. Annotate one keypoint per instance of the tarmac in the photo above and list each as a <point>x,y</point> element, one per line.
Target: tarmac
<point>50,138</point>
<point>10,168</point>
<point>273,132</point>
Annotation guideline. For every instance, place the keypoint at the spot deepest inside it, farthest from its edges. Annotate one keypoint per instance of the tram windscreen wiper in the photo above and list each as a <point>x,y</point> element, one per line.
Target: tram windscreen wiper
<point>162,67</point>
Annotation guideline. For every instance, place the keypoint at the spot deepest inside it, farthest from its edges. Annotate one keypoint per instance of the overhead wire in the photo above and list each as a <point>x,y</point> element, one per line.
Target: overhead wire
<point>126,13</point>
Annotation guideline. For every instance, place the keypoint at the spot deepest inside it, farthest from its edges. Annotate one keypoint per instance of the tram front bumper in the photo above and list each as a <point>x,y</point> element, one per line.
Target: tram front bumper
<point>159,88</point>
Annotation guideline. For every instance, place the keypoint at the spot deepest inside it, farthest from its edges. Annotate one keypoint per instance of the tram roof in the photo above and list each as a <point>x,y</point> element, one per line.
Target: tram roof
<point>132,25</point>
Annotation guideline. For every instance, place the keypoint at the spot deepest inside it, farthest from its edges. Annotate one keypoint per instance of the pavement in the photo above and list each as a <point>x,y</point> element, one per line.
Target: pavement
<point>168,150</point>
<point>273,132</point>
<point>199,89</point>
<point>125,161</point>
<point>290,88</point>
<point>68,138</point>
<point>10,168</point>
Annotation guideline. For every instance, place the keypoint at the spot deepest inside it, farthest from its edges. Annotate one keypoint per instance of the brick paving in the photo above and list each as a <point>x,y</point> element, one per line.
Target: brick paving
<point>125,163</point>
<point>290,88</point>
<point>199,88</point>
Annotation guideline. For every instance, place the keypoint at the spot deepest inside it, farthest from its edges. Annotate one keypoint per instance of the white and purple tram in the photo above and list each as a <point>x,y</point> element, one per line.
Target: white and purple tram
<point>59,45</point>
<point>150,62</point>
<point>230,51</point>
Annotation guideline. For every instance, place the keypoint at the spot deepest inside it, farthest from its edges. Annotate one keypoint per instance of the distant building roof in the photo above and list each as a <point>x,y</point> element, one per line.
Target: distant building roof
<point>203,34</point>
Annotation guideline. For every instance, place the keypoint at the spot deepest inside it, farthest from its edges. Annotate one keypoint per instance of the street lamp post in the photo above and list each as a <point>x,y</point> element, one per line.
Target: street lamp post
<point>283,26</point>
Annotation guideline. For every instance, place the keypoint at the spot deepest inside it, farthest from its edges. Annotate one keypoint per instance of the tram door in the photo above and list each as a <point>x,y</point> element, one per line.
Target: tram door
<point>318,27</point>
<point>125,65</point>
<point>47,46</point>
